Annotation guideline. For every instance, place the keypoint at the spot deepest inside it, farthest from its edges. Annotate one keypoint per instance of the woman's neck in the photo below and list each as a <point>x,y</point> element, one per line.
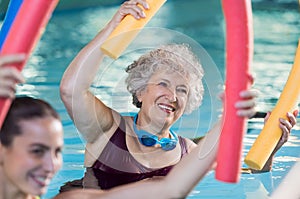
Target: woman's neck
<point>149,125</point>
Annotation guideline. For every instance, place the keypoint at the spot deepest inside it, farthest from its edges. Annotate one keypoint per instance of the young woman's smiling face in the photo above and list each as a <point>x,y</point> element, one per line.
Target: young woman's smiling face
<point>33,158</point>
<point>165,97</point>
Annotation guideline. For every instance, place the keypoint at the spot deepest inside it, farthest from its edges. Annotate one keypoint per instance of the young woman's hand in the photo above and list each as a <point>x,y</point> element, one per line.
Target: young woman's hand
<point>10,76</point>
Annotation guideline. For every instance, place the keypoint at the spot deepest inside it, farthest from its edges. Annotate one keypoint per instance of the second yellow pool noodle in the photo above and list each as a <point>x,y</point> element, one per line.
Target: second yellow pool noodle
<point>271,132</point>
<point>127,30</point>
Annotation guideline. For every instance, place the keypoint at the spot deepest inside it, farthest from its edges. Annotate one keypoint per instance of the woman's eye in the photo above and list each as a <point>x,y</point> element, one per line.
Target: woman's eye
<point>164,84</point>
<point>38,152</point>
<point>182,90</point>
<point>58,151</point>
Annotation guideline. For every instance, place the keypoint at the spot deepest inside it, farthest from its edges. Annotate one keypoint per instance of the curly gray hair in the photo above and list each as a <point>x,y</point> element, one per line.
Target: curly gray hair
<point>174,58</point>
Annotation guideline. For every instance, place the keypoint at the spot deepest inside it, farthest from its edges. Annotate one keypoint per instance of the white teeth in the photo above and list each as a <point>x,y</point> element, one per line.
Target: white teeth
<point>41,179</point>
<point>166,107</point>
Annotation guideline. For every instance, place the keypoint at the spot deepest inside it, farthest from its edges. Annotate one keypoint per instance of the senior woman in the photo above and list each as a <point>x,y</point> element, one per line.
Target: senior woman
<point>165,83</point>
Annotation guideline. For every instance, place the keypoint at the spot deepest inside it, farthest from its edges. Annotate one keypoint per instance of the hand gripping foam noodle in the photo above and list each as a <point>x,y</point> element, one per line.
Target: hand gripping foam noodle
<point>28,26</point>
<point>239,53</point>
<point>127,30</point>
<point>11,13</point>
<point>271,133</point>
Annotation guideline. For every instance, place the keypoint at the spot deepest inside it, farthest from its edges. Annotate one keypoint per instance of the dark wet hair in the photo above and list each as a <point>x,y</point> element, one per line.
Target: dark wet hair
<point>23,108</point>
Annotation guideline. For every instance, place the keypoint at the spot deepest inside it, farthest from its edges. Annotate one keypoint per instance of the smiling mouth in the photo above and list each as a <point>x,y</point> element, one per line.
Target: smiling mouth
<point>41,181</point>
<point>166,108</point>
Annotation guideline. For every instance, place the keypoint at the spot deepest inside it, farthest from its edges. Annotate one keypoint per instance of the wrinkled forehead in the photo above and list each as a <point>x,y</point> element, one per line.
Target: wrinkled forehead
<point>171,75</point>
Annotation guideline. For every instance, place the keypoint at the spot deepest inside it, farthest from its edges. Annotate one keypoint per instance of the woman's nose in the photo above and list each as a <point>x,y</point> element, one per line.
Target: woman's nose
<point>51,163</point>
<point>172,95</point>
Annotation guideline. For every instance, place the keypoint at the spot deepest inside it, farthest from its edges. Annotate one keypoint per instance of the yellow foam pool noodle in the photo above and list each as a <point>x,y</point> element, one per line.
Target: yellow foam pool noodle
<point>271,133</point>
<point>127,30</point>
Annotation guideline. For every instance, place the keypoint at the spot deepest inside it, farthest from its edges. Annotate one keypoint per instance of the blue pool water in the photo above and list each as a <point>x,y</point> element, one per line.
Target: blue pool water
<point>276,33</point>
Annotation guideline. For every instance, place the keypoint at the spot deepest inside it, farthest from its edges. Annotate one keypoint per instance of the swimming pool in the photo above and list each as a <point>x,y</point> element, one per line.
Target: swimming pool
<point>276,30</point>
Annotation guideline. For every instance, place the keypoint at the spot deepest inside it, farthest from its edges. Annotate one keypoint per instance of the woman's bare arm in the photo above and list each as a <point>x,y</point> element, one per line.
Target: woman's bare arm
<point>90,115</point>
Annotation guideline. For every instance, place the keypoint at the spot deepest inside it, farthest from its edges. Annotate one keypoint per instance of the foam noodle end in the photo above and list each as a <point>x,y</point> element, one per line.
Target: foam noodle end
<point>127,30</point>
<point>114,46</point>
<point>253,164</point>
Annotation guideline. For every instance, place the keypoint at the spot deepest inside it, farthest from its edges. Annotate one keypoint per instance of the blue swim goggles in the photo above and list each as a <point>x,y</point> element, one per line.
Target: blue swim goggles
<point>149,139</point>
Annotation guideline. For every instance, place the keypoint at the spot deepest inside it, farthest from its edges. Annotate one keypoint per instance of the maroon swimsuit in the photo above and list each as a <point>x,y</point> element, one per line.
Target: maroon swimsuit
<point>116,166</point>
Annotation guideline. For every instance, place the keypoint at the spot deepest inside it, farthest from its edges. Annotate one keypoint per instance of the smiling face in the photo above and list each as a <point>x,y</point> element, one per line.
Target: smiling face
<point>34,156</point>
<point>174,57</point>
<point>164,99</point>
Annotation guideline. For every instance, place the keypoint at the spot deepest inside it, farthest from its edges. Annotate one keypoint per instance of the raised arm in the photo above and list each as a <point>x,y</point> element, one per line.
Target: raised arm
<point>90,115</point>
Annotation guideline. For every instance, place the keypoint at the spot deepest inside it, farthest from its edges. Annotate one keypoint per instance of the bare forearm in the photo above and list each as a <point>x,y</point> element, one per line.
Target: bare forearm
<point>75,84</point>
<point>194,167</point>
<point>76,81</point>
<point>88,60</point>
<point>154,188</point>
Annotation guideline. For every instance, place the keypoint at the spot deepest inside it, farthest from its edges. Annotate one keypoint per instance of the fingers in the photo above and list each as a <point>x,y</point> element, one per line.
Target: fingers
<point>222,96</point>
<point>296,112</point>
<point>140,2</point>
<point>7,88</point>
<point>253,93</point>
<point>267,117</point>
<point>251,78</point>
<point>245,104</point>
<point>284,137</point>
<point>246,108</point>
<point>134,8</point>
<point>7,91</point>
<point>246,112</point>
<point>10,59</point>
<point>292,118</point>
<point>286,127</point>
<point>248,99</point>
<point>285,124</point>
<point>9,77</point>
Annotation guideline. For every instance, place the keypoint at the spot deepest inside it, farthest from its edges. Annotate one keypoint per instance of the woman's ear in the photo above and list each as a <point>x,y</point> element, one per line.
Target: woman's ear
<point>139,96</point>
